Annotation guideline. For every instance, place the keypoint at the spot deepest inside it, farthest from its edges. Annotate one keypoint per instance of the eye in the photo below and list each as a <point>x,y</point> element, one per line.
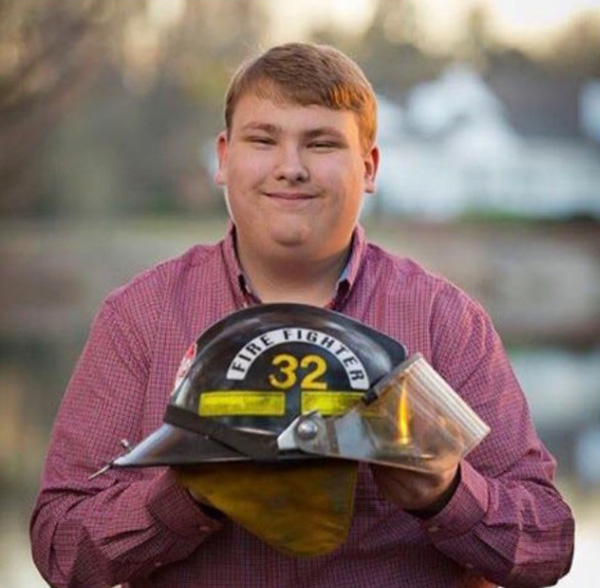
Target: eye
<point>324,144</point>
<point>262,140</point>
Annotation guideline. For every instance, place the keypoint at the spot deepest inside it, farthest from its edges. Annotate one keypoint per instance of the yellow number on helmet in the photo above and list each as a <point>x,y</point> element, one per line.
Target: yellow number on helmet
<point>310,379</point>
<point>286,376</point>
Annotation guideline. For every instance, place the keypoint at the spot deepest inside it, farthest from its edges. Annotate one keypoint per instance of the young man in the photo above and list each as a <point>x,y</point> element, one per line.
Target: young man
<point>297,155</point>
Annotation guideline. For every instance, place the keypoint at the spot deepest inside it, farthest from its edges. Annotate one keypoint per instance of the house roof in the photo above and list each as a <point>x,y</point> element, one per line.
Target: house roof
<point>536,102</point>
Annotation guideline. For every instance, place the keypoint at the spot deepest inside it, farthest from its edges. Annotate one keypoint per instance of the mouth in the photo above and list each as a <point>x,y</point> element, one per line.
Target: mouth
<point>290,196</point>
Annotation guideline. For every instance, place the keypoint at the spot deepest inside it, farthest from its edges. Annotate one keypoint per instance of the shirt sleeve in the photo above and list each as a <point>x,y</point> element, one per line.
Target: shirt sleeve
<point>506,521</point>
<point>121,525</point>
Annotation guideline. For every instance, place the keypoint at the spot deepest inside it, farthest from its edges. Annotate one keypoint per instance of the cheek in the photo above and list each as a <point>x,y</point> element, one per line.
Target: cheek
<point>341,171</point>
<point>330,172</point>
<point>251,165</point>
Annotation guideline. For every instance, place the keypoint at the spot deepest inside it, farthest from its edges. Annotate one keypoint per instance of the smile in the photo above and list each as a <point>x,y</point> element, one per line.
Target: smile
<point>291,196</point>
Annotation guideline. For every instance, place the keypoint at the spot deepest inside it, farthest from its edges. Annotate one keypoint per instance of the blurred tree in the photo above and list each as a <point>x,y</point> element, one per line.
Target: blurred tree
<point>577,50</point>
<point>477,40</point>
<point>137,88</point>
<point>392,50</point>
<point>48,52</point>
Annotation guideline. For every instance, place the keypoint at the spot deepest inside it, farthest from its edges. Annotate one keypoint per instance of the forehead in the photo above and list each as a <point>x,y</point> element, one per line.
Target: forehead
<point>253,110</point>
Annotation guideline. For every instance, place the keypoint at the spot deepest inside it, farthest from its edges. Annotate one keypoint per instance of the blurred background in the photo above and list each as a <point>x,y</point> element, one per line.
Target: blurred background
<point>490,131</point>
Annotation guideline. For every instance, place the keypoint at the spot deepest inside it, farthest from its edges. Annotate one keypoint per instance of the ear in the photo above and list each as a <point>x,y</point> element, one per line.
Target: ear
<point>371,165</point>
<point>222,145</point>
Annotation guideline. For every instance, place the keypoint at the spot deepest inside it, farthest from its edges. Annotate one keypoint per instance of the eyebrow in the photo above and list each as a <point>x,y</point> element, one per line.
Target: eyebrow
<point>258,126</point>
<point>275,129</point>
<point>320,131</point>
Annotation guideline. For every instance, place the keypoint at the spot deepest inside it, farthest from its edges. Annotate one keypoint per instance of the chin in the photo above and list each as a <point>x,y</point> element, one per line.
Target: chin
<point>291,244</point>
<point>292,237</point>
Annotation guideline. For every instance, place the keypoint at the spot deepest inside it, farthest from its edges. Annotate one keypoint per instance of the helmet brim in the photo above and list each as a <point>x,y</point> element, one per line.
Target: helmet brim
<point>172,446</point>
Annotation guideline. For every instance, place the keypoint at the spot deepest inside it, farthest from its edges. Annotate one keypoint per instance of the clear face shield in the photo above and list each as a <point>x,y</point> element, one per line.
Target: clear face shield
<point>411,419</point>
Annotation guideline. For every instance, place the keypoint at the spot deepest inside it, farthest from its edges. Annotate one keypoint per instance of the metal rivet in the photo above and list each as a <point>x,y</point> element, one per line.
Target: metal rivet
<point>307,430</point>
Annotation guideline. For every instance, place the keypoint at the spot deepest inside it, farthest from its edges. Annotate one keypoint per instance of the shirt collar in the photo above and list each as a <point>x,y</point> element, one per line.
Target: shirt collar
<point>241,286</point>
<point>358,248</point>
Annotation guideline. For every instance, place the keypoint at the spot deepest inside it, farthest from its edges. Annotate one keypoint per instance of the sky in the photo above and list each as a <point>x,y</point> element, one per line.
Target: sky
<point>524,23</point>
<point>518,21</point>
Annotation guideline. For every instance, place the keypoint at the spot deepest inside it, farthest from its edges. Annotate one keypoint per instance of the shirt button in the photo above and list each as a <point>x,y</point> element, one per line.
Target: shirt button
<point>157,564</point>
<point>204,528</point>
<point>433,529</point>
<point>469,566</point>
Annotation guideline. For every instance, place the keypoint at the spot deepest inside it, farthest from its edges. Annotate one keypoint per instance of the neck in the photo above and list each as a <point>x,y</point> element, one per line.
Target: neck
<point>288,280</point>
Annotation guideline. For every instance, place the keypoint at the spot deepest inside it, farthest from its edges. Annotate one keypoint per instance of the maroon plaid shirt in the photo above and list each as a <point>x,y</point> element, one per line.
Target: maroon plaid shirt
<point>506,523</point>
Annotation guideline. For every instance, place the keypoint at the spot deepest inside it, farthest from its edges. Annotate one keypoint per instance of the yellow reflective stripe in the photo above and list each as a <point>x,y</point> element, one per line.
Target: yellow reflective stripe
<point>242,402</point>
<point>328,403</point>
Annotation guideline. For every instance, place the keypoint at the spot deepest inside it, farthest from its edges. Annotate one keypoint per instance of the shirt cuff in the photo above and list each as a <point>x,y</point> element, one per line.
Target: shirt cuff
<point>171,504</point>
<point>465,509</point>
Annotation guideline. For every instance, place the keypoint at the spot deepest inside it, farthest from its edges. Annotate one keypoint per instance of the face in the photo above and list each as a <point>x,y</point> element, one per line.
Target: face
<point>294,178</point>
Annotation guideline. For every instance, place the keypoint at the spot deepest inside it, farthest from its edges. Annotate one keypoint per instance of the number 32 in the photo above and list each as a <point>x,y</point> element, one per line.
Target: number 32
<point>287,373</point>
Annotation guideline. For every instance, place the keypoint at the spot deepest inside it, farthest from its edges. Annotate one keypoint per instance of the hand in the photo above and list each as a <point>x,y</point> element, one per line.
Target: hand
<point>185,478</point>
<point>418,491</point>
<point>198,498</point>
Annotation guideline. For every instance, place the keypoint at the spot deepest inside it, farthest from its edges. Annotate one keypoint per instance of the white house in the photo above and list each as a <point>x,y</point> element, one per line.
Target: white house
<point>451,149</point>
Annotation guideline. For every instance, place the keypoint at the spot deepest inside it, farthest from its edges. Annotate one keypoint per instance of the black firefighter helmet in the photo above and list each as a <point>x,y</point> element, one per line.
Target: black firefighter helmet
<point>252,373</point>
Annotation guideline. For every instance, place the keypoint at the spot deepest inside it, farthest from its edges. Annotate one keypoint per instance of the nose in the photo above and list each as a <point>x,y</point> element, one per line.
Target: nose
<point>290,165</point>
